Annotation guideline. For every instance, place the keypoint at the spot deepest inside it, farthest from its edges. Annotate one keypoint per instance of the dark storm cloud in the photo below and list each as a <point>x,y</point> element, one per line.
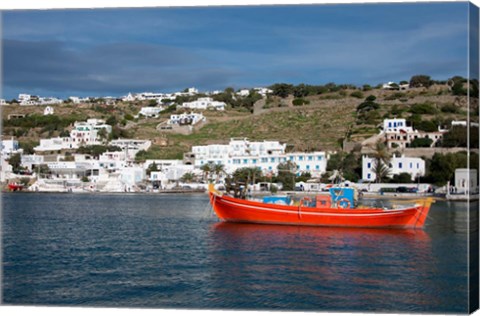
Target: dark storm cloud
<point>115,67</point>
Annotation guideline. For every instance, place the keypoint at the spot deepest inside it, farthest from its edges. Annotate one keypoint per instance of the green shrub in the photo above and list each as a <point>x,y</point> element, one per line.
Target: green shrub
<point>357,94</point>
<point>421,142</point>
<point>300,101</point>
<point>423,108</point>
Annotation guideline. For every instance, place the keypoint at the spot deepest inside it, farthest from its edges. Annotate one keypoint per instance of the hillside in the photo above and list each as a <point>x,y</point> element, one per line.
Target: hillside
<point>322,122</point>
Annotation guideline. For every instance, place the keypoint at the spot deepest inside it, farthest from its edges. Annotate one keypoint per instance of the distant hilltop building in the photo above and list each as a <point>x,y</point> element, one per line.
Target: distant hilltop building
<point>48,111</point>
<point>204,104</point>
<point>150,111</point>
<point>29,100</point>
<point>394,86</point>
<point>3,102</point>
<point>77,100</point>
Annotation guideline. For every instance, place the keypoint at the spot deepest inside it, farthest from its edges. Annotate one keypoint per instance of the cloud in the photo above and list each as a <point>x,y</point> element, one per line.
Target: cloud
<point>113,68</point>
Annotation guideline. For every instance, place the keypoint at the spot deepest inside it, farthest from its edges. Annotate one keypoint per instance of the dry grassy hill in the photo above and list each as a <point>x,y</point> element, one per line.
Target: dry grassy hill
<point>319,125</point>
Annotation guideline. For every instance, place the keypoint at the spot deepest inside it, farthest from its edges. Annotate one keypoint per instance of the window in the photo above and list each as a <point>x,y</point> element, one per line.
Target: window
<point>308,167</point>
<point>369,176</point>
<point>245,161</point>
<point>310,158</point>
<point>300,158</point>
<point>272,159</point>
<point>369,165</point>
<point>317,167</point>
<point>400,165</point>
<point>264,159</point>
<point>254,160</point>
<point>319,157</point>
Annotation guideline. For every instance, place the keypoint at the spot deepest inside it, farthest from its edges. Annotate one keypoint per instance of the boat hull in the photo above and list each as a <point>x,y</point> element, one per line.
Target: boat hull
<point>230,209</point>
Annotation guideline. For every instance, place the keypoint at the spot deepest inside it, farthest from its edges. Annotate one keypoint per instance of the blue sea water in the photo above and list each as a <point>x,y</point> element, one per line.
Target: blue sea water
<point>165,251</point>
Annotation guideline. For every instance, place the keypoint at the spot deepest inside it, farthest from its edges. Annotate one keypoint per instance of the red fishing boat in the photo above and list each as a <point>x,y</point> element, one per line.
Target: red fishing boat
<point>15,186</point>
<point>334,210</point>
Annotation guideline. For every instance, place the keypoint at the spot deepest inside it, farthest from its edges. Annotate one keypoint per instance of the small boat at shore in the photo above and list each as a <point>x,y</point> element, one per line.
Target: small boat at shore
<point>336,210</point>
<point>15,186</point>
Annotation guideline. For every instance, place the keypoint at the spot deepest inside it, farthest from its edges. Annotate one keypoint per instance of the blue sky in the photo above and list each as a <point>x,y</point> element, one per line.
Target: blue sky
<point>115,51</point>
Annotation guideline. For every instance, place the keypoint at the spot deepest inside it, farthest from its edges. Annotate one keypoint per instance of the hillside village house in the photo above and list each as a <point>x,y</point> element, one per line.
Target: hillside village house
<point>151,111</point>
<point>77,100</point>
<point>131,146</point>
<point>266,155</point>
<point>203,104</point>
<point>28,100</point>
<point>186,118</point>
<point>415,167</point>
<point>9,147</point>
<point>83,133</point>
<point>399,135</point>
<point>48,111</point>
<point>3,102</point>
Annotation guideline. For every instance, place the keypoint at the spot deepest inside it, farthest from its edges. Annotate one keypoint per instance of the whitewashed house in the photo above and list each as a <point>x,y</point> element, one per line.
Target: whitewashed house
<point>399,135</point>
<point>151,111</point>
<point>48,111</point>
<point>266,156</point>
<point>31,161</point>
<point>186,118</point>
<point>78,100</point>
<point>466,181</point>
<point>415,167</point>
<point>243,92</point>
<point>3,102</point>
<point>10,147</point>
<point>203,104</point>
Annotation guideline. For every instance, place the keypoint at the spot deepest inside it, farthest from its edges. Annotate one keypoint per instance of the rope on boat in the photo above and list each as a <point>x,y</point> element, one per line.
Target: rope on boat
<point>208,212</point>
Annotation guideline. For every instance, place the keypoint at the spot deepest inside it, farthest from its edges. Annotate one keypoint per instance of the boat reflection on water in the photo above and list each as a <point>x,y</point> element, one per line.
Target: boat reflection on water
<point>328,268</point>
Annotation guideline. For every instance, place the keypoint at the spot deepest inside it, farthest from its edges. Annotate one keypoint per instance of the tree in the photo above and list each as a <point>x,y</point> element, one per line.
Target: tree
<point>152,168</point>
<point>421,142</point>
<point>286,175</point>
<point>247,175</point>
<point>381,171</point>
<point>401,178</point>
<point>381,158</point>
<point>206,168</point>
<point>15,161</point>
<point>218,169</point>
<point>282,89</point>
<point>420,81</point>
<point>187,177</point>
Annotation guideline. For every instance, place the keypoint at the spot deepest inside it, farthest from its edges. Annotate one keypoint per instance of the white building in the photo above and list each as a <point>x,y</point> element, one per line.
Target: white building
<point>399,135</point>
<point>396,125</point>
<point>266,155</point>
<point>168,170</point>
<point>186,118</point>
<point>263,91</point>
<point>131,146</point>
<point>77,100</point>
<point>87,133</point>
<point>10,147</point>
<point>204,103</point>
<point>151,111</point>
<point>55,144</point>
<point>48,111</point>
<point>31,161</point>
<point>466,181</point>
<point>3,102</point>
<point>243,93</point>
<point>397,165</point>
